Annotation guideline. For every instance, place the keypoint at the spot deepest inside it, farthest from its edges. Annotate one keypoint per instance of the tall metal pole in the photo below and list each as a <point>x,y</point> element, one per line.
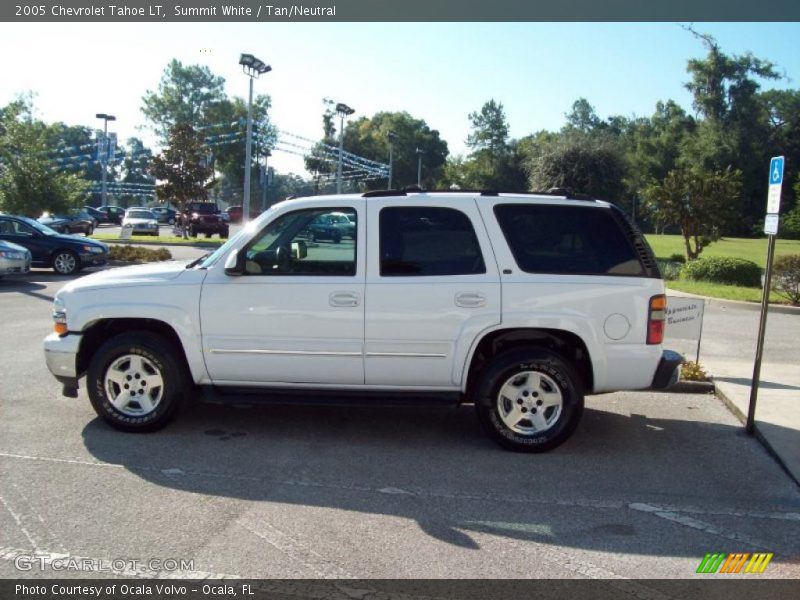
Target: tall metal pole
<point>390,164</point>
<point>341,148</point>
<point>248,156</point>
<point>762,326</point>
<point>104,160</point>
<point>419,170</point>
<point>266,183</point>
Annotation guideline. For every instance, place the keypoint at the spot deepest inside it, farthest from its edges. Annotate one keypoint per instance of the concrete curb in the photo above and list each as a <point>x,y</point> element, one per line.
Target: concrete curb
<point>742,417</point>
<point>780,308</point>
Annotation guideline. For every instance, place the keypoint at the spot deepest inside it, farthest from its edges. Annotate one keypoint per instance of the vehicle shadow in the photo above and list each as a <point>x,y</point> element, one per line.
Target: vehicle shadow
<point>435,467</point>
<point>771,385</point>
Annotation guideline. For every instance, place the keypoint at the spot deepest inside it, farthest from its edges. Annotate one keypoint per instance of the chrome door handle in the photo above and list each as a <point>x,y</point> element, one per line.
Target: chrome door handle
<point>344,299</point>
<point>470,299</point>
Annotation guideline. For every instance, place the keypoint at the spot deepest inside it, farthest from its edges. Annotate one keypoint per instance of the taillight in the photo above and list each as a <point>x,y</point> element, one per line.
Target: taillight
<point>656,319</point>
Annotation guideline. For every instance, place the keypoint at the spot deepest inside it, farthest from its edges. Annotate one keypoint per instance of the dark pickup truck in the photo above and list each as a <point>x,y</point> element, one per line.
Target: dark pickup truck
<point>204,217</point>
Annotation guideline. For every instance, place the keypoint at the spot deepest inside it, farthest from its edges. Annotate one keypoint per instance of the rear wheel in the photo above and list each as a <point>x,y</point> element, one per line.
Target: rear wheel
<point>336,236</point>
<point>135,383</point>
<point>529,400</point>
<point>192,232</point>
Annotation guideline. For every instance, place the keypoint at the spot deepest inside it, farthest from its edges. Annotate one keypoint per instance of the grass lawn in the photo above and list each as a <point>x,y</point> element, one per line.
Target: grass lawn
<point>754,250</point>
<point>162,239</point>
<point>719,290</point>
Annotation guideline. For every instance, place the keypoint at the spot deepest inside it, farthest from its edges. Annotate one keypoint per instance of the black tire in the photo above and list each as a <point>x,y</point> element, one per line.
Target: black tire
<point>192,232</point>
<point>336,236</point>
<point>223,233</point>
<point>66,262</point>
<point>159,353</point>
<point>91,231</point>
<point>554,372</point>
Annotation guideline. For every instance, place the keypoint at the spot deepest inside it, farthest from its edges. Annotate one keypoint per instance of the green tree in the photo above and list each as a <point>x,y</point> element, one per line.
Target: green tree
<point>580,163</point>
<point>183,168</point>
<point>368,137</point>
<point>701,203</point>
<point>735,131</point>
<point>30,181</point>
<point>136,169</point>
<point>186,95</point>
<point>320,161</point>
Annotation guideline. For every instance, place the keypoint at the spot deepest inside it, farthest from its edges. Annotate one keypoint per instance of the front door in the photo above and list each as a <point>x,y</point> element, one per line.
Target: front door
<point>297,314</point>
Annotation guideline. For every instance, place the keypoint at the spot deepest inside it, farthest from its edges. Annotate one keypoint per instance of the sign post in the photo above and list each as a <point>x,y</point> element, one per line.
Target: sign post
<point>771,229</point>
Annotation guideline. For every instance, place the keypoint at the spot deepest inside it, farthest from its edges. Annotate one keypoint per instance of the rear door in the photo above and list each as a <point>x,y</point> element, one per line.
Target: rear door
<point>432,287</point>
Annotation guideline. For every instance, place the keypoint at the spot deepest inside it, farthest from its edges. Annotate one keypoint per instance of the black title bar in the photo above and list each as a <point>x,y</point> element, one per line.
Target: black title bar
<point>254,11</point>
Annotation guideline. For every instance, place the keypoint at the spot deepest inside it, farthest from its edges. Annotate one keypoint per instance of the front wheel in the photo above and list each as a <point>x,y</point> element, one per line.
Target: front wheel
<point>529,400</point>
<point>135,383</point>
<point>66,262</point>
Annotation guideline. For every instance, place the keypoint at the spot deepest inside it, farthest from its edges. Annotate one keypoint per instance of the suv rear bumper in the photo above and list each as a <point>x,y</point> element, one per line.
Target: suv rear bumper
<point>668,371</point>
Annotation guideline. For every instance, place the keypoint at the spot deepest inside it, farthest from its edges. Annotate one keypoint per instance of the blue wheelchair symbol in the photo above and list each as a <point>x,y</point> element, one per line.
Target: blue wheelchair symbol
<point>776,170</point>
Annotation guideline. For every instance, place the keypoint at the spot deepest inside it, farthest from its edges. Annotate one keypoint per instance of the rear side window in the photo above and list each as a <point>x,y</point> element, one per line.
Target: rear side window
<point>567,240</point>
<point>420,241</point>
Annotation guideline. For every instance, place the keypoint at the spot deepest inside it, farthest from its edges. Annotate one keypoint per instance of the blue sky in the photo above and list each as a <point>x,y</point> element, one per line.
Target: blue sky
<point>438,72</point>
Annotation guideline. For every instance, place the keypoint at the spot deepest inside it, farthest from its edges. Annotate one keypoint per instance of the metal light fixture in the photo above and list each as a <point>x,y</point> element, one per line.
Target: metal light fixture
<point>252,67</point>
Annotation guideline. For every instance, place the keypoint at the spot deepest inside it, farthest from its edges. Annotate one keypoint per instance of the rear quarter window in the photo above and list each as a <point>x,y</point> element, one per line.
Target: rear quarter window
<point>568,240</point>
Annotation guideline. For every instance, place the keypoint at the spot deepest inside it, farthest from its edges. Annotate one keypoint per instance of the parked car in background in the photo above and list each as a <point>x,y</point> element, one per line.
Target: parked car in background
<point>204,217</point>
<point>234,213</point>
<point>76,222</point>
<point>114,214</point>
<point>14,259</point>
<point>142,221</point>
<point>98,215</point>
<point>66,254</point>
<point>331,226</point>
<point>165,215</point>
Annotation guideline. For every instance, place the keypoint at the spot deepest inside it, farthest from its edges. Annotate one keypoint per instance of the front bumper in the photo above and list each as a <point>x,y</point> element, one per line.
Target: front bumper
<point>90,259</point>
<point>668,371</point>
<point>61,356</point>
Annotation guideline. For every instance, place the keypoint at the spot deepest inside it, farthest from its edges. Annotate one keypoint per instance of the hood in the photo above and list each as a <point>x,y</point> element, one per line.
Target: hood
<point>135,275</point>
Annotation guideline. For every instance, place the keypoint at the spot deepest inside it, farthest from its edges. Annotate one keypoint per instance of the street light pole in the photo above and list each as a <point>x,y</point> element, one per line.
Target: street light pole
<point>419,166</point>
<point>343,111</point>
<point>104,157</point>
<point>252,67</point>
<point>392,137</point>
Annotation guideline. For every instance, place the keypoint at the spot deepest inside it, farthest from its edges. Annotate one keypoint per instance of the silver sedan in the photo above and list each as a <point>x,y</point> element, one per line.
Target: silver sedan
<point>14,259</point>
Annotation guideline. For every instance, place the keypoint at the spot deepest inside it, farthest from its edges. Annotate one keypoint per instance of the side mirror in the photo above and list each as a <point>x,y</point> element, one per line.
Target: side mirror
<point>233,265</point>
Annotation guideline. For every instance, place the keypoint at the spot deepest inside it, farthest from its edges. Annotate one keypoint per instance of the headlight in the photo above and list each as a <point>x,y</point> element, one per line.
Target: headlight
<point>12,254</point>
<point>59,316</point>
<point>93,249</point>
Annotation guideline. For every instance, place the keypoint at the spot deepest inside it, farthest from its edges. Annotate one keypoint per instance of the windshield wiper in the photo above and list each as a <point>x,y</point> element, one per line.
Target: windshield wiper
<point>198,260</point>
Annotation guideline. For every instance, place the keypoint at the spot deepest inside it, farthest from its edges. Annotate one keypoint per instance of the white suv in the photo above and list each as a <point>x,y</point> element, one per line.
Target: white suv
<point>519,303</point>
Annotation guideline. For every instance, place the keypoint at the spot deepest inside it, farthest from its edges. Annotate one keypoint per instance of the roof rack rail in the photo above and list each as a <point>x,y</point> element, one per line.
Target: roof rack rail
<point>382,193</point>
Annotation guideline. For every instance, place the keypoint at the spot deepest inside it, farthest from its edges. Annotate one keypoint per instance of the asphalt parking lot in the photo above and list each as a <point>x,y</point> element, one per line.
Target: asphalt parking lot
<point>649,484</point>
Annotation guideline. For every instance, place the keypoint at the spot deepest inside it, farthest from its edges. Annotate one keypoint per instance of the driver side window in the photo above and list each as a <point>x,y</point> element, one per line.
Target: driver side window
<point>305,242</point>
